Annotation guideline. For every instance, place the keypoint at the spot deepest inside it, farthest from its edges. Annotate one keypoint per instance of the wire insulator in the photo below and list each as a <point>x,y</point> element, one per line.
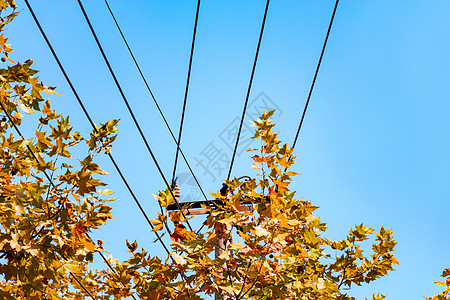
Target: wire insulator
<point>177,193</point>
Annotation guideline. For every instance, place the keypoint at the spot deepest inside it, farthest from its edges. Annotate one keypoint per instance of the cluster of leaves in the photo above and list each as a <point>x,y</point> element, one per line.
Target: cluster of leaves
<point>47,205</point>
<point>445,295</point>
<point>278,251</point>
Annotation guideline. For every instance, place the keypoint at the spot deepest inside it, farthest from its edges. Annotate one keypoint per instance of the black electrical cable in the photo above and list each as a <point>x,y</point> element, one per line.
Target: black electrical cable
<point>110,156</point>
<point>249,88</point>
<point>110,267</point>
<point>131,111</point>
<point>315,74</point>
<point>93,126</point>
<point>79,282</point>
<point>186,91</point>
<point>154,99</point>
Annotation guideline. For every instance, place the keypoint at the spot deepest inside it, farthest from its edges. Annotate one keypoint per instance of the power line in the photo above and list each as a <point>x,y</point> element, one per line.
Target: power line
<point>79,282</point>
<point>249,88</point>
<point>109,265</point>
<point>80,102</point>
<point>186,91</point>
<point>154,99</point>
<point>315,74</point>
<point>130,110</point>
<point>159,238</point>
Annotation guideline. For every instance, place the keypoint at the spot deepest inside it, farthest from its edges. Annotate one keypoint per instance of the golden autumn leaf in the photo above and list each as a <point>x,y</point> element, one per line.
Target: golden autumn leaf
<point>259,159</point>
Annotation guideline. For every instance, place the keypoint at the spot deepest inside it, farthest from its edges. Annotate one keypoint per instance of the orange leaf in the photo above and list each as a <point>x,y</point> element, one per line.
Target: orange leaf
<point>272,193</point>
<point>79,230</point>
<point>179,234</point>
<point>259,159</point>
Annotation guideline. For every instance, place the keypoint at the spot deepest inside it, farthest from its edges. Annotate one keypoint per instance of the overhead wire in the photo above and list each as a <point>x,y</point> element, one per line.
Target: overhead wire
<point>131,112</point>
<point>186,91</point>
<point>159,237</point>
<point>79,282</point>
<point>80,102</point>
<point>154,98</point>
<point>249,88</point>
<point>315,73</point>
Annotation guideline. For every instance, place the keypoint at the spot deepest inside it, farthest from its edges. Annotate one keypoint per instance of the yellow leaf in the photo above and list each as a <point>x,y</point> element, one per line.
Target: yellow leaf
<point>260,231</point>
<point>158,222</point>
<point>26,109</point>
<point>69,267</point>
<point>175,216</point>
<point>104,192</point>
<point>320,284</point>
<point>294,222</point>
<point>237,246</point>
<point>178,259</point>
<point>217,195</point>
<point>225,255</point>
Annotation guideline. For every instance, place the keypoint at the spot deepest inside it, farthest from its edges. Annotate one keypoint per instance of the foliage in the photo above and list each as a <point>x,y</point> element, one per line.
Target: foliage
<point>49,203</point>
<point>279,252</point>
<point>445,295</point>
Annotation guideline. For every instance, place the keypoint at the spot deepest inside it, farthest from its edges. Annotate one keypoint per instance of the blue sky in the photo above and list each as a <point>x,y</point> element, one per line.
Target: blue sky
<point>374,145</point>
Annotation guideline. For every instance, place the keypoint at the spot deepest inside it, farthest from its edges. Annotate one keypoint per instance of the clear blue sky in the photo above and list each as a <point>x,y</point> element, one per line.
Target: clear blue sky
<point>375,143</point>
